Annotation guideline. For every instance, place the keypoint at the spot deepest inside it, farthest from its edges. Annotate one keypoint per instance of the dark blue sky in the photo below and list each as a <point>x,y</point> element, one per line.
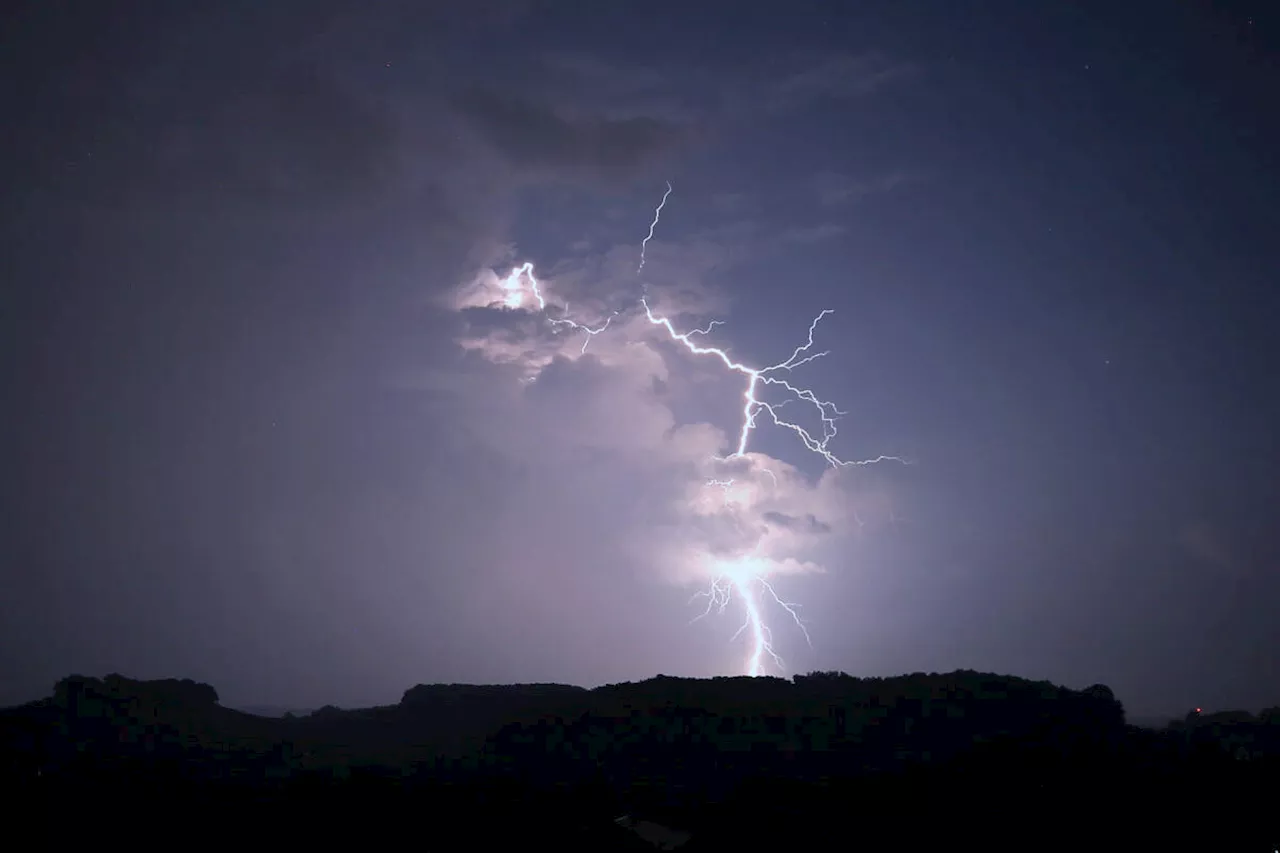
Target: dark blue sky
<point>259,437</point>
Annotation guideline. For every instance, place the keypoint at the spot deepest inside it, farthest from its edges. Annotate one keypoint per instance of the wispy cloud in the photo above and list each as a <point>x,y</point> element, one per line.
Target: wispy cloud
<point>809,234</point>
<point>1207,543</point>
<point>834,188</point>
<point>832,76</point>
<point>701,94</point>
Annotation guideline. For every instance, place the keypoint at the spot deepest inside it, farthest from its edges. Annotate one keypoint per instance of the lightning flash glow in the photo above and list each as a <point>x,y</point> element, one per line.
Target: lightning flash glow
<point>514,290</point>
<point>745,577</point>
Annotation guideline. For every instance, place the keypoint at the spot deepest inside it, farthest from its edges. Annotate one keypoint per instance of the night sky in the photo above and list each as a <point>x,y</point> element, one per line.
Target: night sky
<point>269,424</point>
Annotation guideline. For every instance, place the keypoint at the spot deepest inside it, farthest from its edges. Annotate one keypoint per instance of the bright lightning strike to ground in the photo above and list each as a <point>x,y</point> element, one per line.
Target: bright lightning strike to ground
<point>745,577</point>
<point>748,576</point>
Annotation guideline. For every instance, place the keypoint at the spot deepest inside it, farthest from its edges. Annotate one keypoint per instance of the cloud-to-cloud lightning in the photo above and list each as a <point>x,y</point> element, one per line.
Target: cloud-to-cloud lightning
<point>755,508</point>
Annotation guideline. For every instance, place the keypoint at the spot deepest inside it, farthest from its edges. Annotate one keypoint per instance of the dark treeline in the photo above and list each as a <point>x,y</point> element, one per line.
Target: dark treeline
<point>962,759</point>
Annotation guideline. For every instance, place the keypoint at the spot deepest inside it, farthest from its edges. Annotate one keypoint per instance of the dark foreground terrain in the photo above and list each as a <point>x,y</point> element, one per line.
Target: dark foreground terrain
<point>821,762</point>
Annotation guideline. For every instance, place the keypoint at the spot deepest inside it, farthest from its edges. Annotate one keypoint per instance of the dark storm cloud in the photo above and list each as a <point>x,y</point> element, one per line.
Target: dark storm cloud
<point>686,96</point>
<point>538,140</point>
<point>705,94</point>
<point>140,120</point>
<point>299,139</point>
<point>806,524</point>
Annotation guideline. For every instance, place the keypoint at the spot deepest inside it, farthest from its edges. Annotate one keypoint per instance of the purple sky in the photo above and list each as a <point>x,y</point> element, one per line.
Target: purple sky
<point>275,430</point>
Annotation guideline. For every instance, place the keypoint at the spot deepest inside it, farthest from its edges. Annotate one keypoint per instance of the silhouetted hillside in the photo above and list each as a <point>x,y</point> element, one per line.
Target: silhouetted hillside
<point>731,761</point>
<point>273,710</point>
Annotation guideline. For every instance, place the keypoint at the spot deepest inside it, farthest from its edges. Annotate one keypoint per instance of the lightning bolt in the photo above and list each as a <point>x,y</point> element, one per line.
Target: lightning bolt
<point>744,577</point>
<point>657,214</point>
<point>514,298</point>
<point>748,576</point>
